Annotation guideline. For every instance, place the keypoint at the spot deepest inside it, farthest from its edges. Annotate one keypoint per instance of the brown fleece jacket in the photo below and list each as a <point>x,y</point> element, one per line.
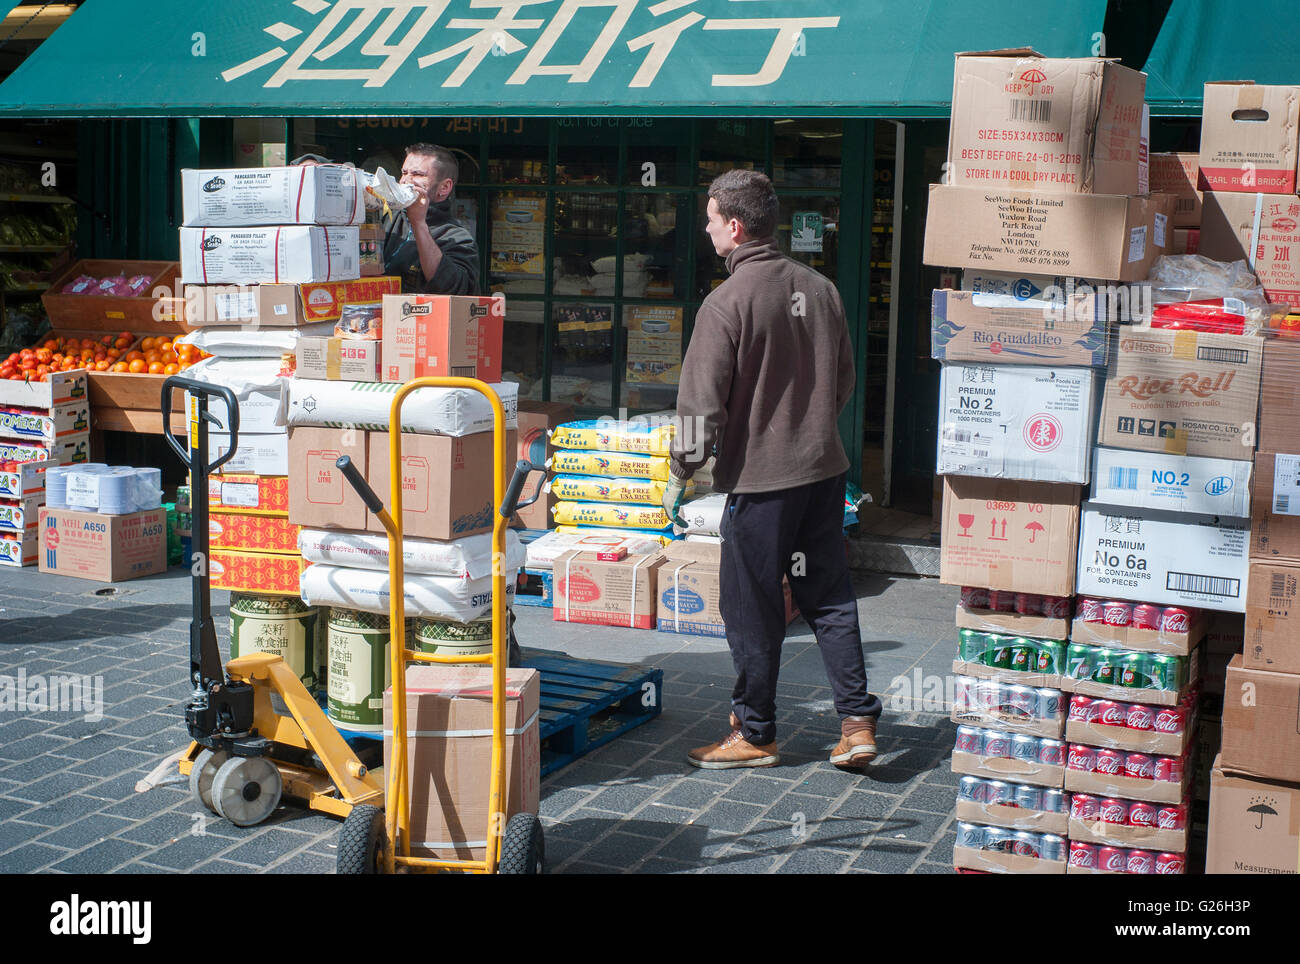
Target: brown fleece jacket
<point>767,372</point>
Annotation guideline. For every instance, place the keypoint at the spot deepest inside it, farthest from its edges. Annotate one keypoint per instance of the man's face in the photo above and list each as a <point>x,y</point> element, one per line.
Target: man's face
<point>422,171</point>
<point>722,232</point>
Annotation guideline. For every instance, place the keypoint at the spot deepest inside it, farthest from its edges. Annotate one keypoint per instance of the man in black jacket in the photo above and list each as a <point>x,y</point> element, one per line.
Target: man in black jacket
<point>424,244</point>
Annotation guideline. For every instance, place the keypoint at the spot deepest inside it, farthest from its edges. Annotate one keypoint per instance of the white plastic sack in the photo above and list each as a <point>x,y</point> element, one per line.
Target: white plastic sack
<point>469,558</point>
<point>366,406</point>
<point>380,187</point>
<point>250,342</point>
<point>703,516</point>
<point>438,597</point>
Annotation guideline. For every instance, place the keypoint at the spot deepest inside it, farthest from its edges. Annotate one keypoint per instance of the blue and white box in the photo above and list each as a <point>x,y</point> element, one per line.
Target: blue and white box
<point>1171,483</point>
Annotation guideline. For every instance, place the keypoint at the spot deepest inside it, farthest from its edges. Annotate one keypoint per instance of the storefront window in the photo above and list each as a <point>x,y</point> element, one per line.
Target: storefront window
<point>517,151</point>
<point>658,152</point>
<point>808,230</point>
<point>806,153</point>
<point>654,249</point>
<point>653,340</point>
<point>587,151</point>
<point>582,353</point>
<point>727,144</point>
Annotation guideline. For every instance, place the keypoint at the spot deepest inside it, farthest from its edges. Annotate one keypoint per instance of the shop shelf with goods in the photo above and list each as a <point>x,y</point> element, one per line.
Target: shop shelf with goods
<point>37,224</point>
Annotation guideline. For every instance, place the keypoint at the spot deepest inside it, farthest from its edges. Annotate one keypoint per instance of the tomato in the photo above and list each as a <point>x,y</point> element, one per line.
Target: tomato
<point>135,356</point>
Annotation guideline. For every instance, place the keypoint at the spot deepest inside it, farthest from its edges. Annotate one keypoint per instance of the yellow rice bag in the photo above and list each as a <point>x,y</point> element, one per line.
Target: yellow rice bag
<point>663,538</point>
<point>608,435</point>
<point>617,515</point>
<point>596,488</point>
<point>610,464</point>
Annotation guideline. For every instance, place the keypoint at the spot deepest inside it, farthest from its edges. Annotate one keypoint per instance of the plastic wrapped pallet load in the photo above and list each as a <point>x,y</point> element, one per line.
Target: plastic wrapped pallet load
<point>450,598</point>
<point>366,406</point>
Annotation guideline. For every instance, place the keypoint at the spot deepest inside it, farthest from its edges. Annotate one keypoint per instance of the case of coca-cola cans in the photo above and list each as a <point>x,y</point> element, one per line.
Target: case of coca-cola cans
<point>1127,773</point>
<point>1138,626</point>
<point>1013,757</point>
<point>1014,613</point>
<point>1091,858</point>
<point>1152,679</point>
<point>999,850</point>
<point>1037,711</point>
<point>1111,821</point>
<point>1137,727</point>
<point>1015,806</point>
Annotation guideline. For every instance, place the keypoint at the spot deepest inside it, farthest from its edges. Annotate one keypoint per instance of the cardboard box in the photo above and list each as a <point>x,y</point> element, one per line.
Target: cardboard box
<point>319,496</point>
<point>1001,328</point>
<point>1254,825</point>
<point>243,197</point>
<point>446,483</point>
<point>1279,396</point>
<point>19,515</point>
<point>27,479</point>
<point>338,359</point>
<point>258,255</point>
<point>104,548</point>
<point>68,450</point>
<point>1021,120</point>
<point>1182,393</point>
<point>249,494</point>
<point>110,313</point>
<point>536,419</point>
<point>1130,788</point>
<point>59,388</point>
<point>996,862</point>
<point>1142,640</point>
<point>1260,229</point>
<point>45,425</point>
<point>1085,235</point>
<point>255,533</point>
<point>324,300</point>
<point>1273,618</point>
<point>1248,137</point>
<point>258,306</point>
<point>1021,536</point>
<point>1012,818</point>
<point>442,335</point>
<point>1052,681</point>
<point>1178,174</point>
<point>1016,422</point>
<point>449,750</point>
<point>1050,729</point>
<point>1275,519</point>
<point>268,573</point>
<point>255,455</point>
<point>20,549</point>
<point>1134,838</point>
<point>1168,558</point>
<point>1171,483</point>
<point>1131,741</point>
<point>687,600</point>
<point>1261,723</point>
<point>1187,241</point>
<point>372,250</point>
<point>606,593</point>
<point>1012,624</point>
<point>1002,768</point>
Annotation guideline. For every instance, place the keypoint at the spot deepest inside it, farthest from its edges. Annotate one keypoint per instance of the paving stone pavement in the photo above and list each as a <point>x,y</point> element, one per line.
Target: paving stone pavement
<point>68,802</point>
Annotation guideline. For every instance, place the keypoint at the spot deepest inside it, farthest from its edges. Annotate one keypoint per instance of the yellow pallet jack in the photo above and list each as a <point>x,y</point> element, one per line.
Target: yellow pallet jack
<point>257,733</point>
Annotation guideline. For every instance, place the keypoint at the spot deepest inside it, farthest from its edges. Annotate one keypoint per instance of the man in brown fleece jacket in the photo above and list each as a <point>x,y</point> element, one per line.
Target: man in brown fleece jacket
<point>768,370</point>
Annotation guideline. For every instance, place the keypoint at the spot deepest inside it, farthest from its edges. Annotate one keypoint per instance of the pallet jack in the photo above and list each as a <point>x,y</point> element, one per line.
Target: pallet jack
<point>257,733</point>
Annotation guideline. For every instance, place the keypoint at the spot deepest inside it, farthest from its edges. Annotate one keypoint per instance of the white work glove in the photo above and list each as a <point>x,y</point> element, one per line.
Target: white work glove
<point>674,493</point>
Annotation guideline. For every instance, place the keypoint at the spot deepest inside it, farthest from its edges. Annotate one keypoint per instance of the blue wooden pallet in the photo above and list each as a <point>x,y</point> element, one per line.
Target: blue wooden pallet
<point>537,591</point>
<point>585,704</point>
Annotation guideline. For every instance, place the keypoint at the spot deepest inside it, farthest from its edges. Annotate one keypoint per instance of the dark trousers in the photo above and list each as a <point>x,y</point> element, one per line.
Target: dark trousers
<point>799,533</point>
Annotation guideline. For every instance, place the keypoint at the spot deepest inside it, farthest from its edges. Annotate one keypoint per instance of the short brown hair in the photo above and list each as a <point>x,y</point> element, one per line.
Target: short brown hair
<point>747,196</point>
<point>448,167</point>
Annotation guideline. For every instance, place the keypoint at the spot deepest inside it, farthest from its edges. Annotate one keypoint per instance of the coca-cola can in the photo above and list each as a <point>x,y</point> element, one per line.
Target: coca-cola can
<point>1020,702</point>
<point>1170,719</point>
<point>1141,862</point>
<point>1029,604</point>
<point>1141,814</point>
<point>1056,607</point>
<point>1081,709</point>
<point>997,744</point>
<point>1110,713</point>
<point>1029,798</point>
<point>1113,811</point>
<point>1171,816</point>
<point>974,597</point>
<point>1113,860</point>
<point>1083,855</point>
<point>970,835</point>
<point>1084,806</point>
<point>1081,758</point>
<point>1054,801</point>
<point>1090,610</point>
<point>1168,863</point>
<point>1117,613</point>
<point>1175,620</point>
<point>1024,747</point>
<point>1051,753</point>
<point>1025,844</point>
<point>972,789</point>
<point>1001,601</point>
<point>1000,793</point>
<point>1110,763</point>
<point>1168,769</point>
<point>1049,703</point>
<point>970,739</point>
<point>1139,717</point>
<point>1146,616</point>
<point>1051,847</point>
<point>1139,766</point>
<point>998,840</point>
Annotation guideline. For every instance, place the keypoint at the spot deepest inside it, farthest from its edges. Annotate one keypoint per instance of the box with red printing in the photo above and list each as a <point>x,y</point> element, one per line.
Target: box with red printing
<point>442,335</point>
<point>269,573</point>
<point>255,533</point>
<point>19,548</point>
<point>105,548</point>
<point>249,493</point>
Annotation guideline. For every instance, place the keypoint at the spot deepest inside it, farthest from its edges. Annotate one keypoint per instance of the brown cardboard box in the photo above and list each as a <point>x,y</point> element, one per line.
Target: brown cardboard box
<point>324,300</point>
<point>265,573</point>
<point>1273,618</point>
<point>1000,534</point>
<point>1049,729</point>
<point>442,335</point>
<point>1261,723</point>
<point>1014,624</point>
<point>1177,174</point>
<point>252,532</point>
<point>1021,120</point>
<point>446,483</point>
<point>1182,393</point>
<point>536,419</point>
<point>1254,825</point>
<point>319,495</point>
<point>689,591</point>
<point>449,755</point>
<point>1130,788</point>
<point>1248,137</point>
<point>1109,236</point>
<point>620,593</point>
<point>1274,536</point>
<point>1142,640</point>
<point>1001,768</point>
<point>1134,741</point>
<point>1279,397</point>
<point>1229,232</point>
<point>249,494</point>
<point>261,306</point>
<point>1187,240</point>
<point>1012,818</point>
<point>1154,839</point>
<point>996,862</point>
<point>104,548</point>
<point>965,327</point>
<point>338,359</point>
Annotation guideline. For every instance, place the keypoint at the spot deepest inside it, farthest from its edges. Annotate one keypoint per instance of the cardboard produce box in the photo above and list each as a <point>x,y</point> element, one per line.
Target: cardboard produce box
<point>536,420</point>
<point>338,359</point>
<point>622,593</point>
<point>446,483</point>
<point>1182,393</point>
<point>1085,235</point>
<point>1021,536</point>
<point>68,450</point>
<point>107,313</point>
<point>1261,723</point>
<point>1168,558</point>
<point>59,388</point>
<point>1179,175</point>
<point>267,573</point>
<point>45,424</point>
<point>27,479</point>
<point>1279,396</point>
<point>255,454</point>
<point>319,496</point>
<point>1012,818</point>
<point>966,326</point>
<point>1248,137</point>
<point>296,254</point>
<point>1275,518</point>
<point>1260,229</point>
<point>1171,483</point>
<point>1273,618</point>
<point>1016,422</point>
<point>20,549</point>
<point>449,751</point>
<point>104,548</point>
<point>262,494</point>
<point>1021,120</point>
<point>1002,768</point>
<point>255,533</point>
<point>19,515</point>
<point>997,862</point>
<point>1254,825</point>
<point>247,197</point>
<point>442,335</point>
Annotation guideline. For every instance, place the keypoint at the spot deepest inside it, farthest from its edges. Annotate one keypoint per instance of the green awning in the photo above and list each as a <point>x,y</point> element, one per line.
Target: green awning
<point>1204,40</point>
<point>132,58</point>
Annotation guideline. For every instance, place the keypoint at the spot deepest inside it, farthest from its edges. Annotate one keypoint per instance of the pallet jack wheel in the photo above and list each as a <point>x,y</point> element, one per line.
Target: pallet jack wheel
<point>363,841</point>
<point>523,848</point>
<point>202,773</point>
<point>246,790</point>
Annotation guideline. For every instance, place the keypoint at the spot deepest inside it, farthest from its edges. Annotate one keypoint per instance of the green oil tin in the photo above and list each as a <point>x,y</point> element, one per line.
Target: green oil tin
<point>280,625</point>
<point>454,639</point>
<point>358,670</point>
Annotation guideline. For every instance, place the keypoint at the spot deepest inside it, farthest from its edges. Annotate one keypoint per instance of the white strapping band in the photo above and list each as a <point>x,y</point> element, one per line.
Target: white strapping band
<point>1254,231</point>
<point>441,734</point>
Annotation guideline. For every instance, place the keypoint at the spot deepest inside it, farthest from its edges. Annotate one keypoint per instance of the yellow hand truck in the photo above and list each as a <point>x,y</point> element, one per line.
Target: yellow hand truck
<point>375,840</point>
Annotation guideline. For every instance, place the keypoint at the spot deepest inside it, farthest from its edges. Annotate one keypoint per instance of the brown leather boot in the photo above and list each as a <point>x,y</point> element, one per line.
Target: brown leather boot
<point>857,746</point>
<point>733,752</point>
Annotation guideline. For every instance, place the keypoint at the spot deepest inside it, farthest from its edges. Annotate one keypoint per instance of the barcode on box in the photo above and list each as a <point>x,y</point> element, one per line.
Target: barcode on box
<point>1185,204</point>
<point>981,453</point>
<point>1281,503</point>
<point>1231,356</point>
<point>1203,585</point>
<point>957,435</point>
<point>1123,478</point>
<point>1277,585</point>
<point>1034,111</point>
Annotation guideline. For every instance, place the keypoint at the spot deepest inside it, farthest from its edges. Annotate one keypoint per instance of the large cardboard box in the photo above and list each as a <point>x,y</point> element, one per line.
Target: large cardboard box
<point>966,326</point>
<point>67,450</point>
<point>59,388</point>
<point>1168,558</point>
<point>19,549</point>
<point>1254,825</point>
<point>243,197</point>
<point>319,496</point>
<point>1021,120</point>
<point>259,306</point>
<point>1021,536</point>
<point>1262,229</point>
<point>252,532</point>
<point>1248,137</point>
<point>1024,422</point>
<point>1172,483</point>
<point>1275,518</point>
<point>1261,723</point>
<point>622,593</point>
<point>442,335</point>
<point>689,593</point>
<point>446,483</point>
<point>338,359</point>
<point>1177,174</point>
<point>1109,236</point>
<point>1182,393</point>
<point>295,254</point>
<point>255,454</point>
<point>324,300</point>
<point>449,755</point>
<point>45,424</point>
<point>261,494</point>
<point>104,548</point>
<point>1273,618</point>
<point>536,420</point>
<point>1279,396</point>
<point>265,573</point>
